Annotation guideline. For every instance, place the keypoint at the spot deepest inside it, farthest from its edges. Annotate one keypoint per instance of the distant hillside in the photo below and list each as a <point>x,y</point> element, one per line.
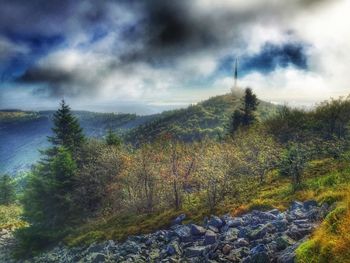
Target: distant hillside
<point>23,133</point>
<point>208,118</point>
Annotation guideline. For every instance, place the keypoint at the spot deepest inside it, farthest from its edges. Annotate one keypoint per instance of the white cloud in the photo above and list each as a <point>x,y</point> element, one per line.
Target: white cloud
<point>98,72</point>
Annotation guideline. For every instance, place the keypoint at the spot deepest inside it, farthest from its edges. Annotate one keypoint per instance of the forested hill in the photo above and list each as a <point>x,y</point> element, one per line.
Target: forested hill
<point>208,118</point>
<point>23,133</point>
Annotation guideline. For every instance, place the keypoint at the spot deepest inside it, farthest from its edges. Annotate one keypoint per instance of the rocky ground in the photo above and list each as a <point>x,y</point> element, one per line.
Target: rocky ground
<point>7,243</point>
<point>256,237</point>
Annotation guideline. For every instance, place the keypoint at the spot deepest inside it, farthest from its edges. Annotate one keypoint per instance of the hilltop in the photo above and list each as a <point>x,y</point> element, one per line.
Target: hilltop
<point>23,133</point>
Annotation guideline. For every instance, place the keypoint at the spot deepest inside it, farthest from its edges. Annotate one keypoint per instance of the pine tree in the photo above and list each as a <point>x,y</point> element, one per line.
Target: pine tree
<point>244,116</point>
<point>67,131</point>
<point>249,108</point>
<point>112,138</point>
<point>7,190</point>
<point>48,203</point>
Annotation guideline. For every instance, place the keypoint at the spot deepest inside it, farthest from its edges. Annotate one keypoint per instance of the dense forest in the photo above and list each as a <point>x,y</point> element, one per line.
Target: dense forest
<point>85,190</point>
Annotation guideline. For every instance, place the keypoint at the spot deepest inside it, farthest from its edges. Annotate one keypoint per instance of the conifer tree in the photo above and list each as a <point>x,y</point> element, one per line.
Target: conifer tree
<point>7,190</point>
<point>245,115</point>
<point>249,107</point>
<point>67,131</point>
<point>112,138</point>
<point>48,203</point>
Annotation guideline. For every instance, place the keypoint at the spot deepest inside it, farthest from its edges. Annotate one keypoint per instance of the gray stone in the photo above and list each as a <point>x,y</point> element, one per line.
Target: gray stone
<point>173,249</point>
<point>226,249</point>
<point>210,237</point>
<point>214,229</point>
<point>98,258</point>
<point>231,234</point>
<point>241,242</point>
<point>261,257</point>
<point>296,205</point>
<point>297,233</point>
<point>280,225</point>
<point>310,203</point>
<point>283,242</point>
<point>258,249</point>
<point>184,233</point>
<point>274,212</point>
<point>234,222</point>
<point>258,233</point>
<point>195,251</point>
<point>197,230</point>
<point>178,220</point>
<point>215,221</point>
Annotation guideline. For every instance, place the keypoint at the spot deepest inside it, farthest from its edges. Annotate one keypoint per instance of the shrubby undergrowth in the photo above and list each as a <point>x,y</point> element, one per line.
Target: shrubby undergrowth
<point>107,189</point>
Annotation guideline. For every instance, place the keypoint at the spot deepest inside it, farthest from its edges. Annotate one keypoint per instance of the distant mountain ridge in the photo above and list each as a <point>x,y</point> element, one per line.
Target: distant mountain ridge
<point>23,133</point>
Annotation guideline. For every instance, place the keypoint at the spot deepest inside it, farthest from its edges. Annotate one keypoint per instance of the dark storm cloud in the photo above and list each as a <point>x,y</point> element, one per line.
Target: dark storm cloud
<point>177,27</point>
<point>164,29</point>
<point>269,58</point>
<point>276,56</point>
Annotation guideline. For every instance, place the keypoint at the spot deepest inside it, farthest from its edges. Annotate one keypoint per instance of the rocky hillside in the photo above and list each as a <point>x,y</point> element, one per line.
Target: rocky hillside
<point>258,236</point>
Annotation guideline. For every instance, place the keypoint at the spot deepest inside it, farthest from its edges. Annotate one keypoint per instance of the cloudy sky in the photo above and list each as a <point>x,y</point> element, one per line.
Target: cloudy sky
<point>145,56</point>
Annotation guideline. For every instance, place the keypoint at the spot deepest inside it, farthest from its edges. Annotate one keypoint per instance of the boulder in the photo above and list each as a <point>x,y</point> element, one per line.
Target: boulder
<point>178,220</point>
<point>280,225</point>
<point>97,258</point>
<point>274,212</point>
<point>234,222</point>
<point>231,234</point>
<point>210,237</point>
<point>297,233</point>
<point>309,204</point>
<point>258,233</point>
<point>184,233</point>
<point>214,229</point>
<point>215,221</point>
<point>226,249</point>
<point>241,242</point>
<point>195,251</point>
<point>261,257</point>
<point>236,255</point>
<point>197,230</point>
<point>296,205</point>
<point>283,242</point>
<point>173,249</point>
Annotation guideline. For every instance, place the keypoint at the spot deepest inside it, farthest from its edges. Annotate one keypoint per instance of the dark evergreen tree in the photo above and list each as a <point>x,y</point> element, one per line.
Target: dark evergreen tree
<point>244,116</point>
<point>48,198</point>
<point>249,107</point>
<point>112,138</point>
<point>236,121</point>
<point>67,131</point>
<point>7,190</point>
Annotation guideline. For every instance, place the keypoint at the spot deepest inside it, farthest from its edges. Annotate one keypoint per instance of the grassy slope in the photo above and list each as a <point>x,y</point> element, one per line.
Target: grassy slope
<point>208,118</point>
<point>325,180</point>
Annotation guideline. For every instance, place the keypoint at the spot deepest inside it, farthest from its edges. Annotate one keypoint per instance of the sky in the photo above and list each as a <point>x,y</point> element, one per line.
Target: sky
<point>146,56</point>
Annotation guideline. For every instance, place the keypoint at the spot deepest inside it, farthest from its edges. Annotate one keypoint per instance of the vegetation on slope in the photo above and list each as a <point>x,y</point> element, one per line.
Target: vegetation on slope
<point>114,190</point>
<point>206,119</point>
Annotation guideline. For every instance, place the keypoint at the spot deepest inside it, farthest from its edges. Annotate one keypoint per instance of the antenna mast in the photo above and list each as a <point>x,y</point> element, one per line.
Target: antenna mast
<point>235,86</point>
